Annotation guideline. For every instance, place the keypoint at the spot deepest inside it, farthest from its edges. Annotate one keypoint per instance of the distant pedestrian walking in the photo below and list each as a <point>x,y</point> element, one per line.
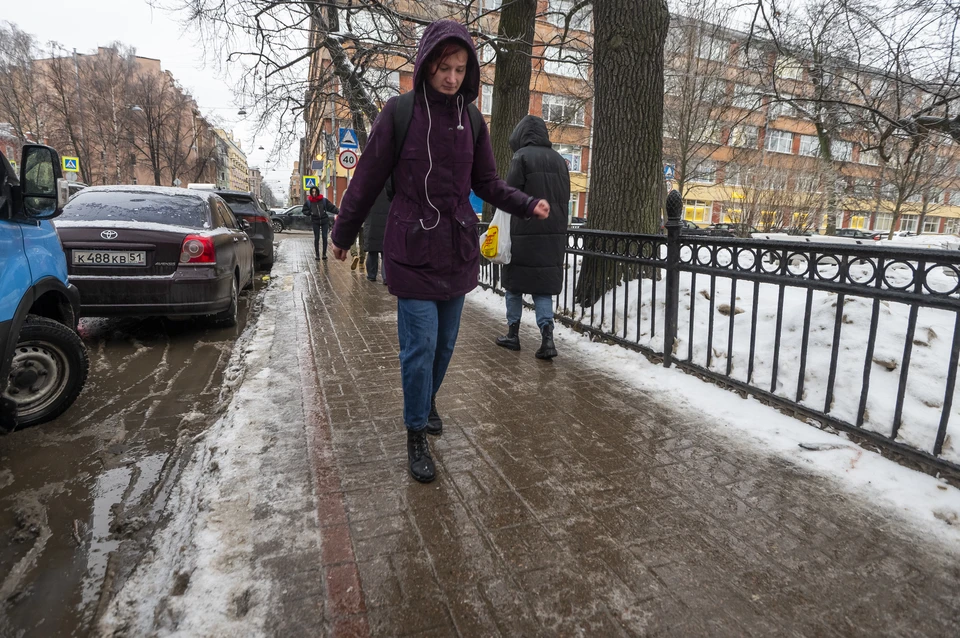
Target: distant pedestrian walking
<point>431,246</point>
<point>319,209</point>
<point>372,236</point>
<point>536,262</point>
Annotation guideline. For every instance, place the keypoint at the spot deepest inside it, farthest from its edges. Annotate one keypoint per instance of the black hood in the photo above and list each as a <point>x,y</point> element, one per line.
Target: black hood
<point>531,131</point>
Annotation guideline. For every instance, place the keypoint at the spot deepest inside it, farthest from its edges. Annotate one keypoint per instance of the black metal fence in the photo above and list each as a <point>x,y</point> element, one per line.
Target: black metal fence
<point>863,338</point>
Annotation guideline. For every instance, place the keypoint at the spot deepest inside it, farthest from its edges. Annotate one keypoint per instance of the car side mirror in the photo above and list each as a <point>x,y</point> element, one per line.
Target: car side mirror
<point>45,192</point>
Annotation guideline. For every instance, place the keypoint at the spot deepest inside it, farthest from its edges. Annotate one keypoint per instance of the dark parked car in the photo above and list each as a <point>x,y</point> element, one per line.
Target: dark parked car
<point>151,250</point>
<point>292,219</point>
<point>687,227</point>
<point>731,230</point>
<point>246,207</point>
<point>578,222</point>
<point>856,233</point>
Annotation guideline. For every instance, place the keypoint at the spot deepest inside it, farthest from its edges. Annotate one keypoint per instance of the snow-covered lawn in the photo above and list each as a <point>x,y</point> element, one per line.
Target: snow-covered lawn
<point>923,501</point>
<point>930,359</point>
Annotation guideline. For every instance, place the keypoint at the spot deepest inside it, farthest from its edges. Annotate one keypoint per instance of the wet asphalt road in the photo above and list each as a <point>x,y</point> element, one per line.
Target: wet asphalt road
<point>80,496</point>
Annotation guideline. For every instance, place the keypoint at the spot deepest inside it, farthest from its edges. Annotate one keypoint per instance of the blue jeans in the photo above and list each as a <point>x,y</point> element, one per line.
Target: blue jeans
<point>428,332</point>
<point>542,304</point>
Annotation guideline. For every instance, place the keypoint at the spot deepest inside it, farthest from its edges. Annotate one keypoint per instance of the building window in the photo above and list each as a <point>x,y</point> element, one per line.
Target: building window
<point>745,97</point>
<point>710,48</point>
<point>486,99</point>
<point>788,68</point>
<point>883,222</point>
<point>697,211</point>
<point>574,206</point>
<point>383,83</point>
<point>870,158</point>
<point>781,107</point>
<point>779,141</point>
<point>562,110</point>
<point>808,184</point>
<point>916,198</point>
<point>568,62</point>
<point>952,226</point>
<point>753,58</point>
<point>572,154</point>
<point>705,172</point>
<point>931,224</point>
<point>732,175</point>
<point>857,221</point>
<point>558,10</point>
<point>841,151</point>
<point>492,5</point>
<point>909,223</point>
<point>744,136</point>
<point>487,53</point>
<point>809,146</point>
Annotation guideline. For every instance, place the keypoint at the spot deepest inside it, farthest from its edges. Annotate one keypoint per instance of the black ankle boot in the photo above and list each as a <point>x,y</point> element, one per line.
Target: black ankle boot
<point>547,349</point>
<point>512,340</point>
<point>434,422</point>
<point>418,454</point>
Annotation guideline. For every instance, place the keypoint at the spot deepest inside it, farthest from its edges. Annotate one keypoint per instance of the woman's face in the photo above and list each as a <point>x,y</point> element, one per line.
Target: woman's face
<point>446,75</point>
<point>314,192</point>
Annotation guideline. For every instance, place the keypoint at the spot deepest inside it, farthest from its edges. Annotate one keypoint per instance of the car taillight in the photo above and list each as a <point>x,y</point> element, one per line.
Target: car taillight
<point>198,249</point>
<point>260,219</point>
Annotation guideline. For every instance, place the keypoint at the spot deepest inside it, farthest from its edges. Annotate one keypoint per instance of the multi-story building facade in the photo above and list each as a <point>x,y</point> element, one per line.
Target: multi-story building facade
<point>559,89</point>
<point>295,193</point>
<point>255,180</point>
<point>237,171</point>
<point>741,144</point>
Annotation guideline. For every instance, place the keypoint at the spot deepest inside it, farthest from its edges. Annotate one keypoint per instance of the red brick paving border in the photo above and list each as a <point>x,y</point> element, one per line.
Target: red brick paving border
<point>344,600</point>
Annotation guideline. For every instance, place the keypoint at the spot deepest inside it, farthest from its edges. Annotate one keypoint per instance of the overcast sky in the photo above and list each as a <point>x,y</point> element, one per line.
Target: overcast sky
<point>86,24</point>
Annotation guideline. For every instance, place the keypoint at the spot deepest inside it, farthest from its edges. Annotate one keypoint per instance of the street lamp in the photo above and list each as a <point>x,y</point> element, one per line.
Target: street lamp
<point>136,108</point>
<point>242,111</point>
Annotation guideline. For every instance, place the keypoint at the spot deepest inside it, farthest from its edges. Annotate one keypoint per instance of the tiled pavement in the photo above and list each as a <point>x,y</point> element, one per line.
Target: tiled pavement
<point>567,504</point>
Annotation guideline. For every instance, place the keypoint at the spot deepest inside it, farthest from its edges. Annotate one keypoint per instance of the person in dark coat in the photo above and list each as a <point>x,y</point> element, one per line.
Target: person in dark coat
<point>431,247</point>
<point>372,235</point>
<point>319,209</point>
<point>537,249</point>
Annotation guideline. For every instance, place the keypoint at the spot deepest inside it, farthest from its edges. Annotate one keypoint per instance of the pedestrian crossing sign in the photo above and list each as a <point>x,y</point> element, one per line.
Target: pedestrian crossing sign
<point>71,164</point>
<point>348,138</point>
<point>310,181</point>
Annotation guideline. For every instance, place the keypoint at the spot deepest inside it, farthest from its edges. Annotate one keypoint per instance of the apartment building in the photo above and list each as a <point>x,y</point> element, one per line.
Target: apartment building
<point>237,172</point>
<point>255,180</point>
<point>743,152</point>
<point>560,88</point>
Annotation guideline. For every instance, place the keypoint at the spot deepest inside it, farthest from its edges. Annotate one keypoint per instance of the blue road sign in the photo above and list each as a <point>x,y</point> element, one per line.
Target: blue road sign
<point>348,138</point>
<point>668,173</point>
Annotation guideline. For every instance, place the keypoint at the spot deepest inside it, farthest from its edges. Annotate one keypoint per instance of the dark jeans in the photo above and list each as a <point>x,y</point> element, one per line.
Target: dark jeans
<point>373,263</point>
<point>317,228</point>
<point>428,333</point>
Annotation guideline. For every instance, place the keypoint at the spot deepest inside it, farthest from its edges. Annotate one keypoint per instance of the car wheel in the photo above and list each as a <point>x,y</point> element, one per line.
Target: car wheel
<point>253,274</point>
<point>277,226</point>
<point>48,371</point>
<point>228,318</point>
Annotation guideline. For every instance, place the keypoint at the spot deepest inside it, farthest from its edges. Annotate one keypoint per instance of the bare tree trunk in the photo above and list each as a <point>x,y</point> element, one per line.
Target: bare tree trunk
<point>511,86</point>
<point>627,184</point>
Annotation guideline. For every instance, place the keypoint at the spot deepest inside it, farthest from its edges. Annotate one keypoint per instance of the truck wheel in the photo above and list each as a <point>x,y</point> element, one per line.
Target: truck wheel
<point>48,371</point>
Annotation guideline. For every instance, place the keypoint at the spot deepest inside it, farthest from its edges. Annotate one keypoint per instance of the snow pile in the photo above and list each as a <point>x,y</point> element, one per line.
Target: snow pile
<point>635,318</point>
<point>205,572</point>
<point>939,242</point>
<point>922,501</point>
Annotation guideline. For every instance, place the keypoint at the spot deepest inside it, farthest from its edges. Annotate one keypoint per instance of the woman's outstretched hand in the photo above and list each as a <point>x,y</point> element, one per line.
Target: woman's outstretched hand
<point>542,211</point>
<point>340,254</point>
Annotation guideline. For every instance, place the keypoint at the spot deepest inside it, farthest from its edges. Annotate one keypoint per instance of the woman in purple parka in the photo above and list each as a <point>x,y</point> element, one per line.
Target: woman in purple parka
<point>430,246</point>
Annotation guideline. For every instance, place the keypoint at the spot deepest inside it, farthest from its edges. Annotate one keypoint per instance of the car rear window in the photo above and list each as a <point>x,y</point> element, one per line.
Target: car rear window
<point>177,210</point>
<point>242,205</point>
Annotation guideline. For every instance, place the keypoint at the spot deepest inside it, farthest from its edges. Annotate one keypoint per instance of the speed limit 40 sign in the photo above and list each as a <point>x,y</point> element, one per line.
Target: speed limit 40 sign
<point>348,159</point>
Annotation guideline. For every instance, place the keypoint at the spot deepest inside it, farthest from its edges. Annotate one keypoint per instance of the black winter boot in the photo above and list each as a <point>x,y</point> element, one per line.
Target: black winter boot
<point>418,454</point>
<point>547,349</point>
<point>512,340</point>
<point>434,422</point>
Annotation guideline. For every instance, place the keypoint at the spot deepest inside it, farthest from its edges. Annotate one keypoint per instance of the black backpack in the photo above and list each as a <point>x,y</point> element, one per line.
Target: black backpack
<point>401,123</point>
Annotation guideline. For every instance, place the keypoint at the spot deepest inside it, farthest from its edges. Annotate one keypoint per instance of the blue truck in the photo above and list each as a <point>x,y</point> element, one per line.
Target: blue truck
<point>43,362</point>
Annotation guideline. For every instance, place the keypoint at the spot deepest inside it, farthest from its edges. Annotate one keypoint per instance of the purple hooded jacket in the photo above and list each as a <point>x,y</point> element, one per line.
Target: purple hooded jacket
<point>430,246</point>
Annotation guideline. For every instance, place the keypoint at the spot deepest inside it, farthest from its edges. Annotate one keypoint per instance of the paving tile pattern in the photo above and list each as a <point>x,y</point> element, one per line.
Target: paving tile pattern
<point>568,504</point>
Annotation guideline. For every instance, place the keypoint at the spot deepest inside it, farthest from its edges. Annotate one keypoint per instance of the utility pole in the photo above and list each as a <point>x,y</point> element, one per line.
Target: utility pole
<point>84,157</point>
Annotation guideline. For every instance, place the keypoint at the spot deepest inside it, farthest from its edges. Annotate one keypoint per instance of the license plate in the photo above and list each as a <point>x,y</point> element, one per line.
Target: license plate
<point>109,258</point>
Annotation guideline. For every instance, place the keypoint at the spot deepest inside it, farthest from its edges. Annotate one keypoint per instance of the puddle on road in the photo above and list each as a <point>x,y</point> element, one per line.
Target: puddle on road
<point>90,476</point>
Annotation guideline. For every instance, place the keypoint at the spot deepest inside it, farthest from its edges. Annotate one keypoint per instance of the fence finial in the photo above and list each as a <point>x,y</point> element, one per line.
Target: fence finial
<point>674,205</point>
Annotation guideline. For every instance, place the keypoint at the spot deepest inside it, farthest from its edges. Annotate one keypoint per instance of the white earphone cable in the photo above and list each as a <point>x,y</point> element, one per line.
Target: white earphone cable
<point>426,191</point>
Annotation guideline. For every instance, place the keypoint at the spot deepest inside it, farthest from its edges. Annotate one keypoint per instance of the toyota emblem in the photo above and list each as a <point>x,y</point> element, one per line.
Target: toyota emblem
<point>109,234</point>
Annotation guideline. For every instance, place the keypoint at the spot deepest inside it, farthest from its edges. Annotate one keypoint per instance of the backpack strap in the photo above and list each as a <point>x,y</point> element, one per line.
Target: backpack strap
<point>403,114</point>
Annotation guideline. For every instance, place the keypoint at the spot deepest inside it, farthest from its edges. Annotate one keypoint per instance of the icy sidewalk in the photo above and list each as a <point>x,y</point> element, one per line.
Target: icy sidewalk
<point>241,537</point>
<point>595,495</point>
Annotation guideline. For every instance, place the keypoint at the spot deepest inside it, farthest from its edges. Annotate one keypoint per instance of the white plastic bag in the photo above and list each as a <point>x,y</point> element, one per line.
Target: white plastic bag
<point>495,242</point>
